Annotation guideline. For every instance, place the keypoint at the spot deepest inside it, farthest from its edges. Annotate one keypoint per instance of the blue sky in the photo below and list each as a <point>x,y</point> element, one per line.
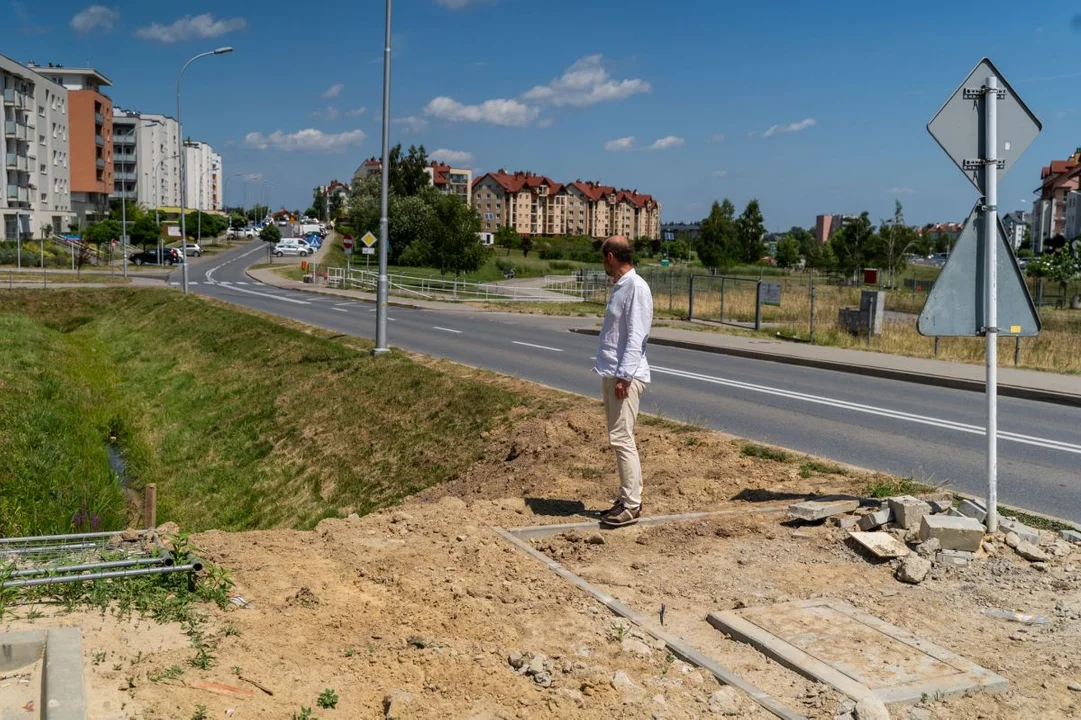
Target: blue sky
<point>810,107</point>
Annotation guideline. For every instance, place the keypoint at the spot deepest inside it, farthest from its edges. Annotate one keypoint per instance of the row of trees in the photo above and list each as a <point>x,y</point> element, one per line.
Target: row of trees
<point>426,228</point>
<point>324,209</point>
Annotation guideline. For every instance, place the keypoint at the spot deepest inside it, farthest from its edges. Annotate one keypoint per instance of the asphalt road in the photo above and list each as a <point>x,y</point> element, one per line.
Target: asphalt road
<point>931,434</point>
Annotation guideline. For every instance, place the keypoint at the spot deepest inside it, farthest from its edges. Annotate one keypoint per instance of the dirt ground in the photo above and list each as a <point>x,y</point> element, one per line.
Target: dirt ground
<point>420,611</point>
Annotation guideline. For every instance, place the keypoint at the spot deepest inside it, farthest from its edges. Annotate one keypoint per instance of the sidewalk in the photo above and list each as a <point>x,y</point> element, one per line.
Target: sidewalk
<point>1026,384</point>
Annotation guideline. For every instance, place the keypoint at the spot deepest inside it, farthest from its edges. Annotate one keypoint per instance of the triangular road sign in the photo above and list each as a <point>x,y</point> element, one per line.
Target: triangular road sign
<point>954,307</point>
<point>958,130</point>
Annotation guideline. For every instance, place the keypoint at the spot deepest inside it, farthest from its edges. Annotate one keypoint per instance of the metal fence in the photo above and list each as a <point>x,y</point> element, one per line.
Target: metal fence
<point>561,289</point>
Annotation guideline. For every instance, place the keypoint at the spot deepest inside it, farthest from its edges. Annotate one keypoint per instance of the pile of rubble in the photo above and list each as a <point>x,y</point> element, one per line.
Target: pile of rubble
<point>922,533</point>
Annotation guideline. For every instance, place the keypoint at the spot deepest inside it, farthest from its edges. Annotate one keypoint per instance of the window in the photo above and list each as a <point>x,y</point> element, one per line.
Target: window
<point>43,167</point>
<point>41,139</point>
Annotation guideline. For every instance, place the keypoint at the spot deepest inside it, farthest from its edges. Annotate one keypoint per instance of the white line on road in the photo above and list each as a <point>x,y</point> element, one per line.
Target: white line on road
<point>867,409</point>
<point>192,282</point>
<point>456,332</point>
<point>539,347</point>
<point>339,309</point>
<point>175,283</point>
<point>241,282</point>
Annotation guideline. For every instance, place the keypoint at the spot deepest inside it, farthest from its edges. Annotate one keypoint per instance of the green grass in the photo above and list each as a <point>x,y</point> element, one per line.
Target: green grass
<point>881,487</point>
<point>765,453</point>
<point>809,467</point>
<point>241,422</point>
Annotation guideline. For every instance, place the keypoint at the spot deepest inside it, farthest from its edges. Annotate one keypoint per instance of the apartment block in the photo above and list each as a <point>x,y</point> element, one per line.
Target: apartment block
<point>202,176</point>
<point>1057,181</point>
<point>90,126</point>
<point>146,168</point>
<point>536,205</point>
<point>451,181</point>
<point>35,197</point>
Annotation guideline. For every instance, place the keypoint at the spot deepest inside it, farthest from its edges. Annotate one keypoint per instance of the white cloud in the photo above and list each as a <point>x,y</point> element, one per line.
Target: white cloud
<point>333,91</point>
<point>790,128</point>
<point>94,17</point>
<point>411,123</point>
<point>460,4</point>
<point>189,27</point>
<point>900,190</point>
<point>666,142</point>
<point>545,122</point>
<point>451,156</point>
<point>716,137</point>
<point>357,112</point>
<point>497,111</point>
<point>623,143</point>
<point>584,83</point>
<point>308,140</point>
<point>330,114</point>
<point>719,173</point>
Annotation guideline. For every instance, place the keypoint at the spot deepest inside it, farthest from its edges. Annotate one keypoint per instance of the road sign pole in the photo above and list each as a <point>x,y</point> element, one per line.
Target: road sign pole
<point>381,287</point>
<point>990,243</point>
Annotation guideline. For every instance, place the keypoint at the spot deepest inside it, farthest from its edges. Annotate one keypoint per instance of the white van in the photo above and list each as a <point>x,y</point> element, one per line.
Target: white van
<point>292,246</point>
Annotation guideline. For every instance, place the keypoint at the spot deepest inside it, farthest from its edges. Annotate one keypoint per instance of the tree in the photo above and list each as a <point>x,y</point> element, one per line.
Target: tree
<point>805,240</point>
<point>854,244</point>
<point>319,205</point>
<point>1059,266</point>
<point>336,209</point>
<point>896,239</point>
<point>407,176</point>
<point>237,221</point>
<point>507,237</point>
<point>410,222</point>
<point>527,245</point>
<point>821,257</point>
<point>788,253</point>
<point>749,231</point>
<point>452,236</point>
<point>715,237</point>
<point>270,234</point>
<point>145,231</point>
<point>103,231</point>
<point>679,249</point>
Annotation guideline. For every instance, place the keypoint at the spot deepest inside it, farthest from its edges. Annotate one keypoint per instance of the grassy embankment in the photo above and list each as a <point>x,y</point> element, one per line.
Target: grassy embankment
<point>241,421</point>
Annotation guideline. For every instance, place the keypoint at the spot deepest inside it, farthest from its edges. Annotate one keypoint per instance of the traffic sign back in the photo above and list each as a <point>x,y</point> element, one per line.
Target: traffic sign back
<point>955,306</point>
<point>958,129</point>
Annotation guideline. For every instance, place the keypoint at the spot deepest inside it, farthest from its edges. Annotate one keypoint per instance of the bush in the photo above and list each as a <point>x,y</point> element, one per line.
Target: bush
<point>547,252</point>
<point>561,265</point>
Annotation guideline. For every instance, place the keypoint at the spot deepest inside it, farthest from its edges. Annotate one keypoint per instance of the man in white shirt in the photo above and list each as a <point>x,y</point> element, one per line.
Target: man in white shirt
<point>621,363</point>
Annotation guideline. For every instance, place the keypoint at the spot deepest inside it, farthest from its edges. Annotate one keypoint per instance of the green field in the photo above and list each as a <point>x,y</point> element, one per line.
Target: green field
<point>241,421</point>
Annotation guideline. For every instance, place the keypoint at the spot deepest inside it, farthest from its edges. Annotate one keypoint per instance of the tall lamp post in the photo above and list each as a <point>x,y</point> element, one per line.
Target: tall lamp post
<point>180,152</point>
<point>381,288</point>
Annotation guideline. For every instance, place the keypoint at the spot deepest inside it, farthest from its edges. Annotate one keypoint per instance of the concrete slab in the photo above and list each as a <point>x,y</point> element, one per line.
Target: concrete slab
<point>860,655</point>
<point>62,694</point>
<point>1071,536</point>
<point>972,509</point>
<point>875,519</point>
<point>908,511</point>
<point>953,533</point>
<point>822,508</point>
<point>539,532</point>
<point>881,544</point>
<point>1026,533</point>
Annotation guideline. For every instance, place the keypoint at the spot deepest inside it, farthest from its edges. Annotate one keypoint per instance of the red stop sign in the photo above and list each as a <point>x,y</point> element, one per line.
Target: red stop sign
<point>347,241</point>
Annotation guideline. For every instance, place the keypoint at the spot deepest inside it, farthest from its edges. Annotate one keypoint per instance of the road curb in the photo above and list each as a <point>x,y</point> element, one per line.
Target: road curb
<point>865,370</point>
<point>392,303</point>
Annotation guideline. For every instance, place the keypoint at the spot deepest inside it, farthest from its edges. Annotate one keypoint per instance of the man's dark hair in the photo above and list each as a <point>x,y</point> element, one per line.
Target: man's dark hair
<point>620,249</point>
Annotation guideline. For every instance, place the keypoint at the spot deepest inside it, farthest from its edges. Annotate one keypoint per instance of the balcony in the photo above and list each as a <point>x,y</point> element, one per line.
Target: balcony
<point>125,195</point>
<point>100,164</point>
<point>9,96</point>
<point>99,140</point>
<point>9,127</point>
<point>124,139</point>
<point>18,194</point>
<point>124,175</point>
<point>99,119</point>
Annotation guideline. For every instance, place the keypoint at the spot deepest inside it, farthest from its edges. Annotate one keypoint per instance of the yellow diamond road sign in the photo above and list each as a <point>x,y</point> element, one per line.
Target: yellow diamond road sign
<point>368,239</point>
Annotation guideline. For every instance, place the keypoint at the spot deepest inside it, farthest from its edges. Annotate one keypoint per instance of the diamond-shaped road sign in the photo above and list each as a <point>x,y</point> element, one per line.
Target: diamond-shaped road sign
<point>958,130</point>
<point>955,307</point>
<point>368,239</point>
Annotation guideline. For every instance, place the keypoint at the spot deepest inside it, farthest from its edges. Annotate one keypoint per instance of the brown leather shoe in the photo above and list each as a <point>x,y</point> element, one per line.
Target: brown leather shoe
<point>621,516</point>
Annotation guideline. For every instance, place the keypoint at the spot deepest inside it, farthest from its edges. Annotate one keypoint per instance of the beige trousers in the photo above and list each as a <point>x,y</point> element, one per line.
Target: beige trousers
<point>621,416</point>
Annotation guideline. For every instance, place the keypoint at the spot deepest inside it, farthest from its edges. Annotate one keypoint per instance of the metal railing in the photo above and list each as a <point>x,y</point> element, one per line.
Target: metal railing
<point>456,290</point>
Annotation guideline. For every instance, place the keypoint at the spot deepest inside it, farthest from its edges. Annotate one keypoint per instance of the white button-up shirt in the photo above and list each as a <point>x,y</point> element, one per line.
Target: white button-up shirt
<point>622,351</point>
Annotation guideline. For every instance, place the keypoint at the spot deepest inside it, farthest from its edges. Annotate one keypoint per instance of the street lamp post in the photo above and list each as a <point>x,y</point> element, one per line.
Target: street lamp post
<point>180,152</point>
<point>381,288</point>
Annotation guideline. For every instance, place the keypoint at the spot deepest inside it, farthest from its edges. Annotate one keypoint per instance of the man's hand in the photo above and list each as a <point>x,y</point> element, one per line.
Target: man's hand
<point>622,388</point>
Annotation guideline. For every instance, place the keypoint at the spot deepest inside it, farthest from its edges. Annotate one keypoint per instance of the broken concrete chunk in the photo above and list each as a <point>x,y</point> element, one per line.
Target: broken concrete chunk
<point>875,519</point>
<point>940,506</point>
<point>811,510</point>
<point>1023,531</point>
<point>929,548</point>
<point>1070,536</point>
<point>881,545</point>
<point>844,521</point>
<point>1012,539</point>
<point>913,569</point>
<point>871,709</point>
<point>953,533</point>
<point>1030,552</point>
<point>973,509</point>
<point>908,511</point>
<point>955,557</point>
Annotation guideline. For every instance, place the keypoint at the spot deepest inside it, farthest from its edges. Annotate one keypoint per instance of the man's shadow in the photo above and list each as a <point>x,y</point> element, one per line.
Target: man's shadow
<point>560,508</point>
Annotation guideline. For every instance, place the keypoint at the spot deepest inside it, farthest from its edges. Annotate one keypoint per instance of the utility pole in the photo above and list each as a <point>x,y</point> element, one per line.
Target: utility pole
<point>381,292</point>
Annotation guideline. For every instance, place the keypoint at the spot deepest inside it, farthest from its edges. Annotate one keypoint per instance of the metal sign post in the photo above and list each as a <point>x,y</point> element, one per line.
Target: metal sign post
<point>965,300</point>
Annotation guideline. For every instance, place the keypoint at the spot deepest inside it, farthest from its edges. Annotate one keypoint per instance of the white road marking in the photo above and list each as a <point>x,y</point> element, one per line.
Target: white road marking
<point>339,309</point>
<point>456,332</point>
<point>539,347</point>
<point>192,282</point>
<point>175,283</point>
<point>869,410</point>
<point>241,282</point>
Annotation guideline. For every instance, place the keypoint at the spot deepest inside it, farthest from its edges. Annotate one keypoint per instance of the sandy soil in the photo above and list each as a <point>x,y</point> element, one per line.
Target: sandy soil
<point>415,612</point>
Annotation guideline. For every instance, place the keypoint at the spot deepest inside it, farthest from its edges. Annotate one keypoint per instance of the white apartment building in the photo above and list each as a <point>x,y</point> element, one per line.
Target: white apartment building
<point>36,192</point>
<point>145,160</point>
<point>203,176</point>
<point>1073,215</point>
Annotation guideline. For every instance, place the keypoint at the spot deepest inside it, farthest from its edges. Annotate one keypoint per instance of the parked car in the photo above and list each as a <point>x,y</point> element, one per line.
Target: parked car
<point>283,223</point>
<point>292,246</point>
<point>248,232</point>
<point>195,249</point>
<point>169,256</point>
